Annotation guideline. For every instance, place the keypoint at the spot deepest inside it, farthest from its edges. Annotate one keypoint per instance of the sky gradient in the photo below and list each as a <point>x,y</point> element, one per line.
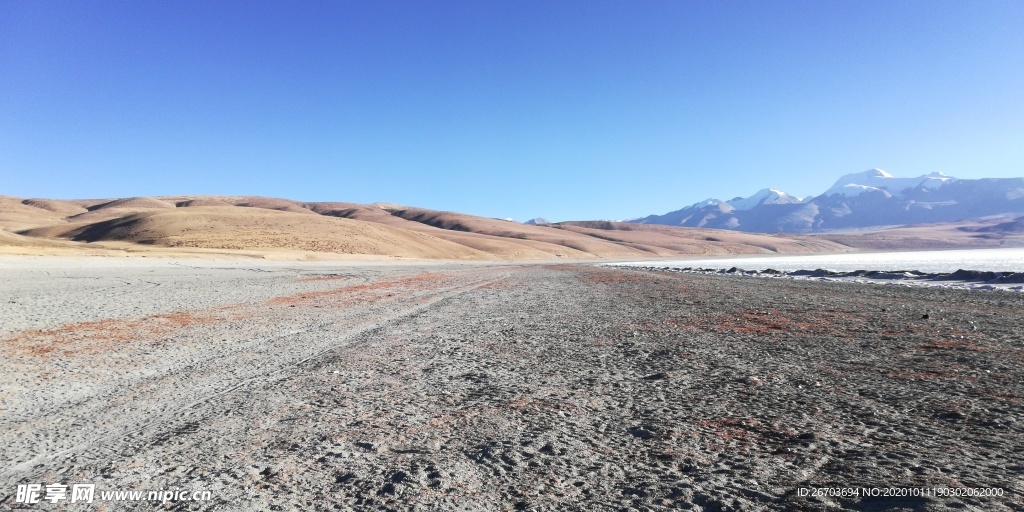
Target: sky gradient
<point>564,110</point>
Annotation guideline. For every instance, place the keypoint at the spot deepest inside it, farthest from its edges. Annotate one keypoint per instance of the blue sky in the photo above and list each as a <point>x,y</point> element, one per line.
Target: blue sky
<point>566,110</point>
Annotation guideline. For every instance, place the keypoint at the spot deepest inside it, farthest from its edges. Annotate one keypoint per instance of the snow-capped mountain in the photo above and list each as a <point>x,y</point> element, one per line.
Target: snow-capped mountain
<point>763,196</point>
<point>858,200</point>
<point>877,179</point>
<point>539,221</point>
<point>707,202</point>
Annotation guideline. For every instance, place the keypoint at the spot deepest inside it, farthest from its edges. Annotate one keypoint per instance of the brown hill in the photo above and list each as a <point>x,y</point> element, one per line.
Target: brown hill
<point>474,232</point>
<point>17,214</point>
<point>256,225</point>
<point>273,203</point>
<point>670,240</point>
<point>113,209</point>
<point>62,208</point>
<point>995,231</point>
<point>201,201</point>
<point>237,228</point>
<point>1013,226</point>
<point>140,203</point>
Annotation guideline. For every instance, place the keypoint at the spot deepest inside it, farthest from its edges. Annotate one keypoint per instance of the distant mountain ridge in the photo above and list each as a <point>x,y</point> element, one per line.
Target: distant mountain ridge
<point>872,198</point>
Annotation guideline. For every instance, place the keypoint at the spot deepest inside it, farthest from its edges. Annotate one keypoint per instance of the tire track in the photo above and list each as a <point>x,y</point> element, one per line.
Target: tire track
<point>165,424</point>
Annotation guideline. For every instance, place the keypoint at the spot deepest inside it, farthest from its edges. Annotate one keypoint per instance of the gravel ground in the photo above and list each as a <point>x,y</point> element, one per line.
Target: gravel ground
<point>344,387</point>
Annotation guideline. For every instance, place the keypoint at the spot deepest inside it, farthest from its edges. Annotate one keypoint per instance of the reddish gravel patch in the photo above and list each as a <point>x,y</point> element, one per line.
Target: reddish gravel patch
<point>345,294</point>
<point>103,335</point>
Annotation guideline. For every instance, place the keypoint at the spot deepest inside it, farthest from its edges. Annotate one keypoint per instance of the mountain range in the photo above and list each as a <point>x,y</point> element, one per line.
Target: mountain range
<point>869,199</point>
<point>267,227</point>
<point>858,212</point>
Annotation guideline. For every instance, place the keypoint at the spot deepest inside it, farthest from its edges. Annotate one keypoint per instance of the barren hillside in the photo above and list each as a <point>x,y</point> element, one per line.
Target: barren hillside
<point>281,228</point>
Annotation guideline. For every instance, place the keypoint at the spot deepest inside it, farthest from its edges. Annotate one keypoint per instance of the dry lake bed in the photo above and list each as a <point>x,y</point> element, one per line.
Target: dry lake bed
<point>328,386</point>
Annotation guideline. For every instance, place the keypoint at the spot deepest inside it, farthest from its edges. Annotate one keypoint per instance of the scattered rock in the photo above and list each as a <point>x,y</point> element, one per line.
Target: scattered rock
<point>644,431</point>
<point>548,415</point>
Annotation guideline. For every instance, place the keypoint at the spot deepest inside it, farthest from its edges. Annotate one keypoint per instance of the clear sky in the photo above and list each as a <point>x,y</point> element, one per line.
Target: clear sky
<point>565,110</point>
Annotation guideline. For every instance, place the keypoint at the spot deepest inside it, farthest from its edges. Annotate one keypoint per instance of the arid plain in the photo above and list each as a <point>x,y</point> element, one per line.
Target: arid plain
<point>426,363</point>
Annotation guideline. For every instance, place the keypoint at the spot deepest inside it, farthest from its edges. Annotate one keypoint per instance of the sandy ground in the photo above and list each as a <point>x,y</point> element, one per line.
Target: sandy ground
<point>327,386</point>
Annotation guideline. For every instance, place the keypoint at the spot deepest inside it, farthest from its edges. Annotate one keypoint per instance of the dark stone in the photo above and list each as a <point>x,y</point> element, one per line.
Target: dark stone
<point>644,431</point>
<point>640,493</point>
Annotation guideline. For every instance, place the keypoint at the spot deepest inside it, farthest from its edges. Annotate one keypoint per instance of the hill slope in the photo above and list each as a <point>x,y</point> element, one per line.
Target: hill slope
<point>256,226</point>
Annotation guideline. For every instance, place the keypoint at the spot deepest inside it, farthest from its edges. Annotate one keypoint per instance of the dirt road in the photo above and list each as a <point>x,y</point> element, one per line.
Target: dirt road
<point>320,387</point>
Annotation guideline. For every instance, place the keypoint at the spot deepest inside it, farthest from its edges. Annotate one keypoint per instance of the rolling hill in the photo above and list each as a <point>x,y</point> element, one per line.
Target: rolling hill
<point>247,226</point>
<point>273,227</point>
